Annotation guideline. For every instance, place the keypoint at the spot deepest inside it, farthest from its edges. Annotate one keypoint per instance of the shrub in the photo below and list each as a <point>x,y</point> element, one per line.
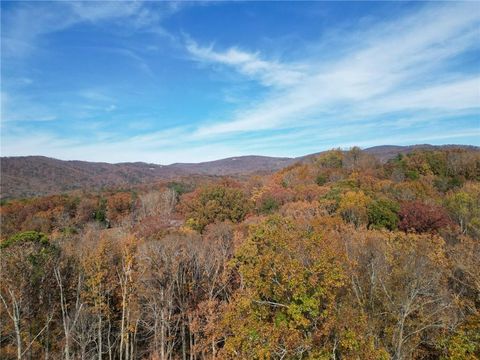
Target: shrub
<point>269,205</point>
<point>25,236</point>
<point>412,174</point>
<point>353,207</point>
<point>330,159</point>
<point>444,184</point>
<point>215,203</point>
<point>383,213</point>
<point>179,188</point>
<point>100,213</point>
<point>321,179</point>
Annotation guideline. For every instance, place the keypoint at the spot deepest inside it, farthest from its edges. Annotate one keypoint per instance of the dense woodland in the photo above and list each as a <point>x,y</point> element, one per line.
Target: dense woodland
<point>342,257</point>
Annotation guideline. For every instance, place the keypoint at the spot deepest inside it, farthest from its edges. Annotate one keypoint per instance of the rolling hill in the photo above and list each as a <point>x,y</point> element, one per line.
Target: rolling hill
<point>27,176</point>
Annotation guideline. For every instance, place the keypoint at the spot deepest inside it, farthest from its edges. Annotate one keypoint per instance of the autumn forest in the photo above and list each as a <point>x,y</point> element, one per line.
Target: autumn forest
<point>342,256</point>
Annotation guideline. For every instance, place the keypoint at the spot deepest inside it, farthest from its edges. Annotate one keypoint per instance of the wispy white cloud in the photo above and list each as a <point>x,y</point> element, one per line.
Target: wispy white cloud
<point>138,60</point>
<point>159,147</point>
<point>452,137</point>
<point>163,147</point>
<point>88,11</point>
<point>21,108</point>
<point>86,103</point>
<point>95,95</point>
<point>391,67</point>
<point>25,31</point>
<point>462,94</point>
<point>24,25</point>
<point>268,72</point>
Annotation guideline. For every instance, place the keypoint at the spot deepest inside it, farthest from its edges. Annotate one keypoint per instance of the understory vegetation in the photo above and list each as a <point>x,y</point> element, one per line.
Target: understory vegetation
<point>340,257</point>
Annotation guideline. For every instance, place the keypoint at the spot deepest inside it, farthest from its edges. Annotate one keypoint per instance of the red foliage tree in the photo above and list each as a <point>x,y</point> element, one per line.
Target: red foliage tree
<point>419,217</point>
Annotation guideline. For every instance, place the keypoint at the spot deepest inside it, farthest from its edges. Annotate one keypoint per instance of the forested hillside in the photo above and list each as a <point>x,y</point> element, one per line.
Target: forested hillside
<point>28,176</point>
<point>342,256</point>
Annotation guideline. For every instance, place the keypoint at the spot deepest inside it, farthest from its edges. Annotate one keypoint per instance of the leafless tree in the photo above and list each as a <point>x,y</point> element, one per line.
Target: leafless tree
<point>69,315</point>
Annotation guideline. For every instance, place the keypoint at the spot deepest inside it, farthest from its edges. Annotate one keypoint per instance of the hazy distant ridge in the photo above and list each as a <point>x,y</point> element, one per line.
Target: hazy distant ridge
<point>26,176</point>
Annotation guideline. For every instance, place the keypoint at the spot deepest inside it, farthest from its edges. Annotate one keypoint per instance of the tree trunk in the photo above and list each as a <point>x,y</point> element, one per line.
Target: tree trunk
<point>213,349</point>
<point>16,322</point>
<point>110,355</point>
<point>64,315</point>
<point>47,345</point>
<point>99,335</point>
<point>134,339</point>
<point>184,345</point>
<point>162,335</point>
<point>122,326</point>
<point>127,344</point>
<point>191,339</point>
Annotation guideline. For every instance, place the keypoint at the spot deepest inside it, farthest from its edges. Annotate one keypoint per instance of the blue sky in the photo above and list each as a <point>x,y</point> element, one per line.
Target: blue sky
<point>185,82</point>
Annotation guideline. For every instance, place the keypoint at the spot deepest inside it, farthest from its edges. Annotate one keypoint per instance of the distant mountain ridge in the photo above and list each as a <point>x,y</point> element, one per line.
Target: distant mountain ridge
<point>27,176</point>
<point>235,165</point>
